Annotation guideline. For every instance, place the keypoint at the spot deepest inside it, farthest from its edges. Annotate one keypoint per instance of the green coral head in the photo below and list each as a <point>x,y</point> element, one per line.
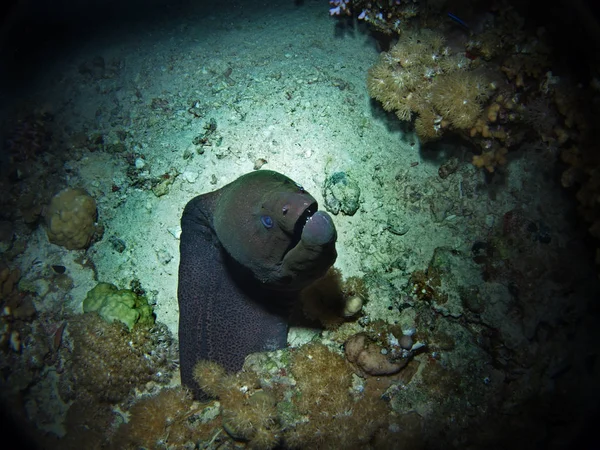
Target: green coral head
<point>124,305</point>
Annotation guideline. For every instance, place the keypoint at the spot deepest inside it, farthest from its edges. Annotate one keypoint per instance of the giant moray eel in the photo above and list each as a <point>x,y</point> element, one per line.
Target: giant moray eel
<point>247,250</point>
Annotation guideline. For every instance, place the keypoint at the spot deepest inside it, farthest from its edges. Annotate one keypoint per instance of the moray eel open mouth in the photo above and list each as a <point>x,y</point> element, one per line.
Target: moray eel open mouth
<point>301,223</point>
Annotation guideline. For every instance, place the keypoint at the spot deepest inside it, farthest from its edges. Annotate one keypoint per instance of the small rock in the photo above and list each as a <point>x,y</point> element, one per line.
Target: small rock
<point>440,208</point>
<point>448,168</point>
<point>353,306</point>
<point>397,225</point>
<point>139,163</point>
<point>190,176</point>
<point>406,342</point>
<point>259,163</point>
<point>367,357</point>
<point>175,232</point>
<point>64,282</point>
<point>162,188</point>
<point>164,257</point>
<point>117,244</point>
<point>117,147</point>
<point>189,151</point>
<point>341,193</point>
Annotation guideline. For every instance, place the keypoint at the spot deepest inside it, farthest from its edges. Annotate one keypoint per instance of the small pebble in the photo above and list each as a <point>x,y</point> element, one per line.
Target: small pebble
<point>117,244</point>
<point>190,176</point>
<point>406,342</point>
<point>175,231</point>
<point>353,305</point>
<point>259,163</point>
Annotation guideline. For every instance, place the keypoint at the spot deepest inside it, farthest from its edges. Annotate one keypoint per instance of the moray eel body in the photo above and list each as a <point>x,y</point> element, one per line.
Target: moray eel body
<point>247,250</point>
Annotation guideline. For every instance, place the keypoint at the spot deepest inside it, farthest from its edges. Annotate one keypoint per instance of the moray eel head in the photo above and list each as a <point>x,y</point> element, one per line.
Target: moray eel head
<point>271,226</point>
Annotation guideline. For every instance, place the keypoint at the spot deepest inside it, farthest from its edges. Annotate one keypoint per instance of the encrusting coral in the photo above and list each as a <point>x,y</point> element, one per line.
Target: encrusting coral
<point>123,305</point>
<point>109,361</point>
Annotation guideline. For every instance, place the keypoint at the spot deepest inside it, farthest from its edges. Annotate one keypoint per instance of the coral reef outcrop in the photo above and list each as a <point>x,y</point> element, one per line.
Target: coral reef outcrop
<point>123,305</point>
<point>420,77</point>
<point>108,361</point>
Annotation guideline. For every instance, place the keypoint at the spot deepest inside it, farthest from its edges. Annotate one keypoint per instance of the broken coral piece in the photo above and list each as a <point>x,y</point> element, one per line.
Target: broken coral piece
<point>370,358</point>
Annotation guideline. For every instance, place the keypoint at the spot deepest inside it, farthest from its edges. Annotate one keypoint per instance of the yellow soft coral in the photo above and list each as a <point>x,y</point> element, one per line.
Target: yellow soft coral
<point>421,76</point>
<point>491,159</point>
<point>379,81</point>
<point>458,97</point>
<point>428,125</point>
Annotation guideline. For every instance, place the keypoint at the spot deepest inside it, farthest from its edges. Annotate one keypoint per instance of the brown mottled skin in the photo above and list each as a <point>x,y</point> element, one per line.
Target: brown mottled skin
<point>247,250</point>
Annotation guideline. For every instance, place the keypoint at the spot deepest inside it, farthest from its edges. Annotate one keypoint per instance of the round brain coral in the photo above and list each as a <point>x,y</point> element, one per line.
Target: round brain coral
<point>71,219</point>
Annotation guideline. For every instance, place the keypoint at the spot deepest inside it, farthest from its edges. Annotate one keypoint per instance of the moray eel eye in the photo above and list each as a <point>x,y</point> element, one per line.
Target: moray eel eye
<point>267,221</point>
